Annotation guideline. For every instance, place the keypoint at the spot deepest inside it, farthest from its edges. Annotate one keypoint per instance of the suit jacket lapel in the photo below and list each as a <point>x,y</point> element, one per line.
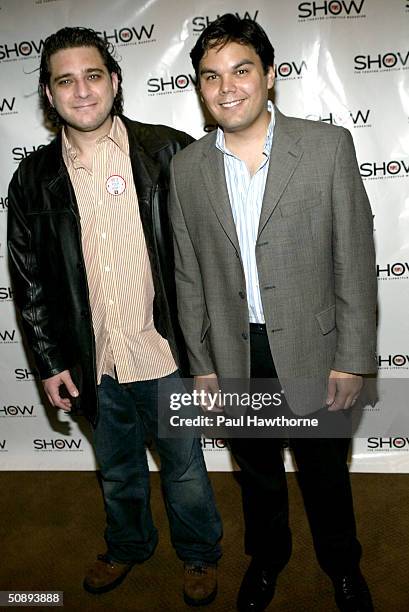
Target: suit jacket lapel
<point>215,186</point>
<point>285,156</point>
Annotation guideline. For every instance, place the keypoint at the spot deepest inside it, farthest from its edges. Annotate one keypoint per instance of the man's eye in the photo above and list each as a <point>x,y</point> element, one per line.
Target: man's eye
<point>212,77</point>
<point>93,76</point>
<point>242,71</point>
<point>64,82</point>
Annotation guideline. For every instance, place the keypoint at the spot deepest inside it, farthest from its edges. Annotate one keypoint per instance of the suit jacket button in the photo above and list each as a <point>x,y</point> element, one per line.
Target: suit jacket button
<point>242,294</point>
<point>244,336</point>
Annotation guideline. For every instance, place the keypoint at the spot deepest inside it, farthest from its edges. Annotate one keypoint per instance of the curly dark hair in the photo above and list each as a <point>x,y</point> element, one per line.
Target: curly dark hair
<point>68,38</point>
<point>230,28</point>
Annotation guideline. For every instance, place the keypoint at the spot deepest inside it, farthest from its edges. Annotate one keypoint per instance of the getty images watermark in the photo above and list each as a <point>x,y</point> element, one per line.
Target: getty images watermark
<point>267,408</point>
<point>235,401</point>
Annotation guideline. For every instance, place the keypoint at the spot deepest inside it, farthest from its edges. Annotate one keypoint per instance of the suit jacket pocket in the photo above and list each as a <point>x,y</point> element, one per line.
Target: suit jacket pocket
<point>296,207</point>
<point>326,319</point>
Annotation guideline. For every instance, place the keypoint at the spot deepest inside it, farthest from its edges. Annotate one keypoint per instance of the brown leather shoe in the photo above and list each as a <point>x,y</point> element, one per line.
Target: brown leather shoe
<point>200,584</point>
<point>105,574</point>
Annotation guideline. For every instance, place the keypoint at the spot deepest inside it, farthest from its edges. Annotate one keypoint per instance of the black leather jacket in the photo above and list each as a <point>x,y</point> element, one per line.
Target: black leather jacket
<point>47,264</point>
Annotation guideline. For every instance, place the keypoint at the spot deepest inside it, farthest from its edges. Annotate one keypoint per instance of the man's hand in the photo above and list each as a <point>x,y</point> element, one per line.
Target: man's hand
<point>343,390</point>
<point>52,389</point>
<point>208,387</point>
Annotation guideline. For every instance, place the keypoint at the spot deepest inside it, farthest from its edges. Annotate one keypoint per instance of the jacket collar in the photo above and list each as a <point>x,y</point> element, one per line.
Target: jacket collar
<point>145,169</point>
<point>285,156</point>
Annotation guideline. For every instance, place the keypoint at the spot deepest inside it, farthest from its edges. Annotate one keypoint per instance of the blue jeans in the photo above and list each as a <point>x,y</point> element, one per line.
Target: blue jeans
<point>127,416</point>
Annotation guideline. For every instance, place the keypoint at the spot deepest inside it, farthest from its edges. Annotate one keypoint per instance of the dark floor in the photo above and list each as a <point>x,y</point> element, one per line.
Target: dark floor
<point>51,526</point>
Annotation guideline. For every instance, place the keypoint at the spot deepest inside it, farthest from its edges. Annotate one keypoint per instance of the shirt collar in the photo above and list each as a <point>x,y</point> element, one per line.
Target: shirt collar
<point>117,134</point>
<point>221,144</point>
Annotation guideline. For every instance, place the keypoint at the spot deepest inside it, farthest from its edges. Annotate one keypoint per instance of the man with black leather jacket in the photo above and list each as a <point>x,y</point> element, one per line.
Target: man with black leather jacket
<point>91,262</point>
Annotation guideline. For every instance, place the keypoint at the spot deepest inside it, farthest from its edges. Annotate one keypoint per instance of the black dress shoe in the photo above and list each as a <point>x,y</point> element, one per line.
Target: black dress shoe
<point>257,588</point>
<point>352,593</point>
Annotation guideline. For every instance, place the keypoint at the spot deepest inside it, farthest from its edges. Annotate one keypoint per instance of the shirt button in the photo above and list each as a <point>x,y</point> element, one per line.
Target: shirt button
<point>110,302</point>
<point>103,235</point>
<point>107,268</point>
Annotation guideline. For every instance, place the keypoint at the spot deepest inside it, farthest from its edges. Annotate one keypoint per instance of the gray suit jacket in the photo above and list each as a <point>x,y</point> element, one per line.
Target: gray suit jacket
<point>315,261</point>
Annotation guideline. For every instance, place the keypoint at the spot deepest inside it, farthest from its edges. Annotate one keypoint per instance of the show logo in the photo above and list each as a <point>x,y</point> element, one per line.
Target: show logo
<point>20,153</point>
<point>7,106</point>
<point>393,60</point>
<point>58,444</point>
<point>129,35</point>
<point>388,444</point>
<point>187,82</point>
<point>358,118</point>
<point>6,294</point>
<point>199,23</point>
<point>385,169</point>
<point>393,362</point>
<point>17,411</point>
<point>290,70</point>
<point>8,336</point>
<point>23,374</point>
<point>4,204</point>
<point>393,271</point>
<point>213,444</point>
<point>22,50</point>
<point>180,83</point>
<point>333,9</point>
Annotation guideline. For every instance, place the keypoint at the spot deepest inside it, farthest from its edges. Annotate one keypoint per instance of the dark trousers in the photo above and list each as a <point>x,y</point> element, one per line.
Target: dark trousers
<point>325,484</point>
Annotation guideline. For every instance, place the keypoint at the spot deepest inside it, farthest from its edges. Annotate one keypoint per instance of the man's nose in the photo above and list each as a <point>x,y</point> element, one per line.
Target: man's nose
<point>227,83</point>
<point>82,88</point>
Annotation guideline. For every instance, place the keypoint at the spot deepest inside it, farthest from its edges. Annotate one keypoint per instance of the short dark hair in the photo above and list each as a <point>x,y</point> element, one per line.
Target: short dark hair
<point>230,28</point>
<point>68,38</point>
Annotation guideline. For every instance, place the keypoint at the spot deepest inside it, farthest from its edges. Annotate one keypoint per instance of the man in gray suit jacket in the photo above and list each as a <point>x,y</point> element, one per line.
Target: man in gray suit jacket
<point>275,275</point>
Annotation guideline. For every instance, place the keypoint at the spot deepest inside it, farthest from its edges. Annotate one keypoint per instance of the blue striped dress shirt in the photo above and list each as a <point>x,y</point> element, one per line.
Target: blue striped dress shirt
<point>246,196</point>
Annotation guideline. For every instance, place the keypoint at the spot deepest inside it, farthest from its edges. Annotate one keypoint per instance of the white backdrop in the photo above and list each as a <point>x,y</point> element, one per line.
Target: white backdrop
<point>339,61</point>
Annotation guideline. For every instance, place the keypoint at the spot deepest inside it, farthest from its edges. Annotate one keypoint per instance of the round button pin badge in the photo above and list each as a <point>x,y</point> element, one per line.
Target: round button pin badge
<point>115,185</point>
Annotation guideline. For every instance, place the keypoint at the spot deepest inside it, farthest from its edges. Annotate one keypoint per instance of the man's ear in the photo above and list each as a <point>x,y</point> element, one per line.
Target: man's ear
<point>114,81</point>
<point>271,75</point>
<point>48,94</point>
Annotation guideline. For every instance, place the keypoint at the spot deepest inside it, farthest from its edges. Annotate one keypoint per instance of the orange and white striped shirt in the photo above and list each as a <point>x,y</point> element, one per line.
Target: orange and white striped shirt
<point>118,270</point>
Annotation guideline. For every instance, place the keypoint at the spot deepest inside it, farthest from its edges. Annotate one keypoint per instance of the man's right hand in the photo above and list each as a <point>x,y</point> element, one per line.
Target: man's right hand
<point>208,385</point>
<point>52,390</point>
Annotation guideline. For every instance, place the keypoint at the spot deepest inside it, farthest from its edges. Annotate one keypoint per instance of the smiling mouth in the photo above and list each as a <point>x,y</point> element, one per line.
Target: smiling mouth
<point>231,104</point>
<point>84,106</point>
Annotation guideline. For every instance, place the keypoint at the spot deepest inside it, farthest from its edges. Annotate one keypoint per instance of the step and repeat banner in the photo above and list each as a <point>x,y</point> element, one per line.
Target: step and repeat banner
<point>344,62</point>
